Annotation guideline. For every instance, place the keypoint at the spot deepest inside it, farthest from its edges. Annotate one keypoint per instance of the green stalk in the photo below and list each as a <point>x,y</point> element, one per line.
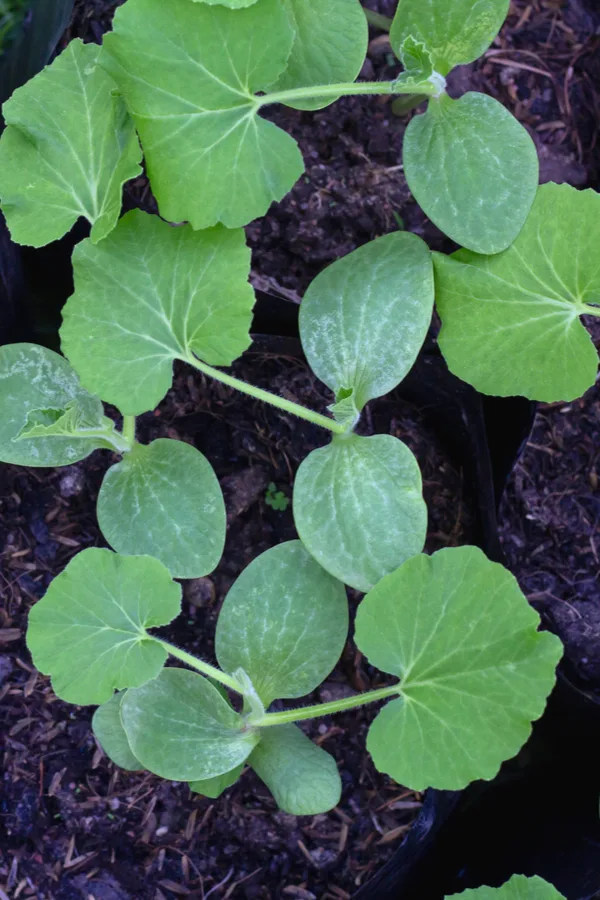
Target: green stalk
<point>354,88</point>
<point>586,310</point>
<point>266,397</point>
<point>384,23</point>
<point>326,709</point>
<point>203,667</point>
<point>129,430</point>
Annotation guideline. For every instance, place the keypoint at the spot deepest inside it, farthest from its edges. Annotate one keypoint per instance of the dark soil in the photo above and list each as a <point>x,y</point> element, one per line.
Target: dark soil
<point>71,825</point>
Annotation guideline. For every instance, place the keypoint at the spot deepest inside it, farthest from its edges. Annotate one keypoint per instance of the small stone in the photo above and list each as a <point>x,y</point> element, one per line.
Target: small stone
<point>323,857</point>
<point>72,482</point>
<point>199,592</point>
<point>242,490</point>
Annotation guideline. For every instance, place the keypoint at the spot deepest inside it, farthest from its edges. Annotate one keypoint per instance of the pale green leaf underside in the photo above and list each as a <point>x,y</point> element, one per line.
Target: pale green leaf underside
<point>363,320</point>
<point>232,4</point>
<point>303,778</point>
<point>89,630</point>
<point>329,48</point>
<point>473,169</point>
<point>37,385</point>
<point>518,888</point>
<point>359,508</point>
<point>475,672</point>
<point>70,422</point>
<point>181,728</point>
<point>285,622</point>
<point>108,728</point>
<point>67,151</point>
<point>150,294</point>
<point>188,72</point>
<point>511,322</point>
<point>455,31</point>
<point>164,500</point>
<point>214,787</point>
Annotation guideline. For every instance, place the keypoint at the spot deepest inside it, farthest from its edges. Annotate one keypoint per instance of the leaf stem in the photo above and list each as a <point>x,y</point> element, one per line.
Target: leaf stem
<point>342,90</point>
<point>326,709</point>
<point>587,310</point>
<point>384,23</point>
<point>280,402</point>
<point>203,667</point>
<point>129,430</point>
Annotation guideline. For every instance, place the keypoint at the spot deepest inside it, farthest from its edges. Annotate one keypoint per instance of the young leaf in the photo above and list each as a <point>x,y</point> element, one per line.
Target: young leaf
<point>511,322</point>
<point>189,73</point>
<point>303,778</point>
<point>518,888</point>
<point>417,62</point>
<point>150,294</point>
<point>41,399</point>
<point>359,508</point>
<point>108,728</point>
<point>285,622</point>
<point>89,630</point>
<point>180,727</point>
<point>67,151</point>
<point>329,48</point>
<point>475,671</point>
<point>214,787</point>
<point>455,31</point>
<point>363,320</point>
<point>473,169</point>
<point>164,500</point>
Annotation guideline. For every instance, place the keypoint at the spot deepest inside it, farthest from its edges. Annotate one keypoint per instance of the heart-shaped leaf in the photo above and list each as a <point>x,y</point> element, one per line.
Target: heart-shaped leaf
<point>189,73</point>
<point>67,151</point>
<point>108,728</point>
<point>511,322</point>
<point>363,320</point>
<point>89,630</point>
<point>214,787</point>
<point>518,888</point>
<point>165,500</point>
<point>181,728</point>
<point>359,508</point>
<point>303,778</point>
<point>473,169</point>
<point>285,622</point>
<point>150,294</point>
<point>475,671</point>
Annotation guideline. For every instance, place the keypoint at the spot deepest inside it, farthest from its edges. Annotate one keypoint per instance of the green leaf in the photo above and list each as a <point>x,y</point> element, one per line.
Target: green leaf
<point>363,320</point>
<point>473,169</point>
<point>455,31</point>
<point>511,322</point>
<point>359,509</point>
<point>518,888</point>
<point>150,294</point>
<point>214,787</point>
<point>89,630</point>
<point>180,727</point>
<point>285,622</point>
<point>330,46</point>
<point>303,778</point>
<point>475,671</point>
<point>108,728</point>
<point>232,4</point>
<point>164,500</point>
<point>189,73</point>
<point>39,389</point>
<point>417,62</point>
<point>67,151</point>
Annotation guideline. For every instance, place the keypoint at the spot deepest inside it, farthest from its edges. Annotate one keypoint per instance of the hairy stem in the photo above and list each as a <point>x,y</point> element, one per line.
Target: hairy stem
<point>267,397</point>
<point>326,709</point>
<point>129,430</point>
<point>334,91</point>
<point>384,23</point>
<point>203,667</point>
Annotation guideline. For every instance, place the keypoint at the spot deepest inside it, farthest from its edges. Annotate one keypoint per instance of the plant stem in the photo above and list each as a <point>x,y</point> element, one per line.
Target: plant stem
<point>326,709</point>
<point>267,397</point>
<point>384,23</point>
<point>129,430</point>
<point>341,90</point>
<point>587,310</point>
<point>203,667</point>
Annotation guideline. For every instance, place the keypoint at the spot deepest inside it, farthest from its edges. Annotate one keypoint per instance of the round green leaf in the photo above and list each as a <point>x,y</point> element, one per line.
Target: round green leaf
<point>475,671</point>
<point>454,31</point>
<point>510,323</point>
<point>303,778</point>
<point>39,386</point>
<point>89,630</point>
<point>164,500</point>
<point>330,46</point>
<point>359,508</point>
<point>150,294</point>
<point>214,787</point>
<point>210,156</point>
<point>181,728</point>
<point>285,622</point>
<point>67,151</point>
<point>108,728</point>
<point>518,888</point>
<point>363,320</point>
<point>473,169</point>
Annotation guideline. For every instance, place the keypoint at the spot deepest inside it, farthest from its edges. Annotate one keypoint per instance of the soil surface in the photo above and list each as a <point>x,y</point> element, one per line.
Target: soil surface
<point>73,826</point>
